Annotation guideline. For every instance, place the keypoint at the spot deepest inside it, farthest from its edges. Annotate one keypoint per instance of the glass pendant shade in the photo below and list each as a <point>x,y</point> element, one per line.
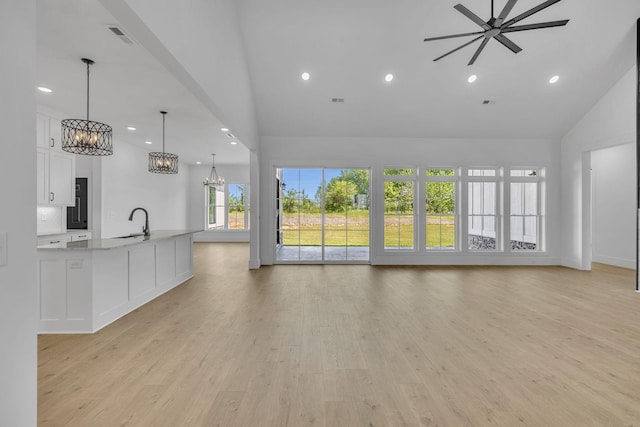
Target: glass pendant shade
<point>87,137</point>
<point>213,180</point>
<point>166,163</point>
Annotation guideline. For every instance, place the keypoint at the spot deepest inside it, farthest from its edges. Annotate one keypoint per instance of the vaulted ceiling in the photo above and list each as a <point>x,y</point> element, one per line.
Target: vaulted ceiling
<point>348,47</point>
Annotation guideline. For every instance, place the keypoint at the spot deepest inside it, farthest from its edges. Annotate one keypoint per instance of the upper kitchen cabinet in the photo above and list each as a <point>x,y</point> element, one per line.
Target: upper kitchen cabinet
<point>56,178</point>
<point>56,169</point>
<point>49,131</point>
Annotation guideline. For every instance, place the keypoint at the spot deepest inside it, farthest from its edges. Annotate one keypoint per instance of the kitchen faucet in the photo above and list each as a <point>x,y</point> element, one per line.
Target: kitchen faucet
<point>145,229</point>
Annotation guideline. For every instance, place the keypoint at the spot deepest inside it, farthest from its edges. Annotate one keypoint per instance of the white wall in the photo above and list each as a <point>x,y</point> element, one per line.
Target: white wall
<point>613,178</point>
<point>197,202</point>
<point>610,122</point>
<point>126,184</point>
<point>199,42</point>
<point>378,153</point>
<point>18,293</point>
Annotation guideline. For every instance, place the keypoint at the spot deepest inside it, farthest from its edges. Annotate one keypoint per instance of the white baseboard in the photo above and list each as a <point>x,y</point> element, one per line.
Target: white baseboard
<point>618,262</point>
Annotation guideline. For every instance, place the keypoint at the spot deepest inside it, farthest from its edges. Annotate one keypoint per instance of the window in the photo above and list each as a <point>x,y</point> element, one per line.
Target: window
<point>482,209</point>
<point>525,215</point>
<point>440,208</point>
<point>215,199</point>
<point>237,209</point>
<point>399,214</point>
<point>228,207</point>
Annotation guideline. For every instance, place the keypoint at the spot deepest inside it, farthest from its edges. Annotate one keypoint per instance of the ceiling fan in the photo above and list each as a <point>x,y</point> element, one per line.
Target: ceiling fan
<point>495,28</point>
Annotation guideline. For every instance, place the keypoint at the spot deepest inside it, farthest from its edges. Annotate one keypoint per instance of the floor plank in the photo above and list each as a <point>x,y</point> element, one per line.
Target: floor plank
<point>357,345</point>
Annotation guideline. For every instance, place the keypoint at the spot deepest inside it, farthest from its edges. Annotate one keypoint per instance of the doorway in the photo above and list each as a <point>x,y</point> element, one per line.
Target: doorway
<point>323,215</point>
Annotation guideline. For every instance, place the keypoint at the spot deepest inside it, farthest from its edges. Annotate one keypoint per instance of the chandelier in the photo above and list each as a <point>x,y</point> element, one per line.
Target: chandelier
<point>85,136</point>
<point>163,162</point>
<point>213,180</point>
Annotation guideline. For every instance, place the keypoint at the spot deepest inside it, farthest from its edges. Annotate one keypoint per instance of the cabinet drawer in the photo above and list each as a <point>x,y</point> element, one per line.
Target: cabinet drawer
<point>76,237</point>
<point>53,239</point>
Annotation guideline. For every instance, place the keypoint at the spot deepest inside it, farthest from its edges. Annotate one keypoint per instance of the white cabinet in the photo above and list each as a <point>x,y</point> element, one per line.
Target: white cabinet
<point>56,168</point>
<point>49,132</point>
<point>55,178</point>
<point>62,173</point>
<point>42,184</point>
<point>83,289</point>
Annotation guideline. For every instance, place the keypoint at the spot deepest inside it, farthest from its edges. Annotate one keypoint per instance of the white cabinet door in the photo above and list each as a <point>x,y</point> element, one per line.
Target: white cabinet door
<point>48,132</point>
<point>55,134</point>
<point>142,269</point>
<point>42,130</point>
<point>61,178</point>
<point>42,184</point>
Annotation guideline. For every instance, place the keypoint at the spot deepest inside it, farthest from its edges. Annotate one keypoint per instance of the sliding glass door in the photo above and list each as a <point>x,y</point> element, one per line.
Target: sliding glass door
<point>323,215</point>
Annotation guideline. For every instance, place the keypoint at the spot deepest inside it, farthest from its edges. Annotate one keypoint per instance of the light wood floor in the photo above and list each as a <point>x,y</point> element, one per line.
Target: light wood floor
<point>357,346</point>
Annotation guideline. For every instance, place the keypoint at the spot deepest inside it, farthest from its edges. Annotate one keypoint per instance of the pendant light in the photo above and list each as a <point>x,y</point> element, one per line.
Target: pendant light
<point>163,162</point>
<point>213,180</point>
<point>85,136</point>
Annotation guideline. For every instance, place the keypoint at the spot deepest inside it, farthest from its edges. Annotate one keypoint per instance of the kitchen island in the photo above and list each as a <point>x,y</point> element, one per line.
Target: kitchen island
<point>85,285</point>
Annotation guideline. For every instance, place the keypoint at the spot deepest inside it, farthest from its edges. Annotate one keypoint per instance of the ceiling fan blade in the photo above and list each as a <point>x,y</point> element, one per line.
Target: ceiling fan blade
<point>505,12</point>
<point>475,18</point>
<point>535,26</point>
<point>530,12</point>
<point>453,36</point>
<point>480,48</point>
<point>508,43</point>
<point>458,48</point>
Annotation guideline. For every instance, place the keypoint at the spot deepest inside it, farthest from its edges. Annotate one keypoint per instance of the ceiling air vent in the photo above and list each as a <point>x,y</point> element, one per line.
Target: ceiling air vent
<point>230,135</point>
<point>121,35</point>
<point>337,99</point>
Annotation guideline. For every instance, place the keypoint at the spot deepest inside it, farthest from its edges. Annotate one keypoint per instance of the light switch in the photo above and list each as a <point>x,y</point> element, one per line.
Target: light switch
<point>3,248</point>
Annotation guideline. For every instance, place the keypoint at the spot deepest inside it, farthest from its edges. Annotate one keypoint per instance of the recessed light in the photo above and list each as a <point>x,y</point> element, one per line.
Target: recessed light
<point>305,76</point>
<point>148,142</point>
<point>44,89</point>
<point>472,78</point>
<point>224,129</point>
<point>233,142</point>
<point>388,78</point>
<point>197,163</point>
<point>131,128</point>
<point>554,79</point>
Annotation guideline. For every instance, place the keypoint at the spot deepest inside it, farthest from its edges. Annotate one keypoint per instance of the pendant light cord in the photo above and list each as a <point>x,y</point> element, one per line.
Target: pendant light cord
<point>492,8</point>
<point>88,65</point>
<point>163,116</point>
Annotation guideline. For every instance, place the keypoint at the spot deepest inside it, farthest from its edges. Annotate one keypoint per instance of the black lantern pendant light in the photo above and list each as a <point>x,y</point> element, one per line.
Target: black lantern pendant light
<point>84,136</point>
<point>163,162</point>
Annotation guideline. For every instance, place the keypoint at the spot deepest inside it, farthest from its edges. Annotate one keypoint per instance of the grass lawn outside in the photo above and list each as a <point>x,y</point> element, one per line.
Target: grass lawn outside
<point>305,229</point>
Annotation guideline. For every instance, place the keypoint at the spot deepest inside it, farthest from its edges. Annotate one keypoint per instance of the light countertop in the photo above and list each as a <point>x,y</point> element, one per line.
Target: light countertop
<point>60,233</point>
<point>101,244</point>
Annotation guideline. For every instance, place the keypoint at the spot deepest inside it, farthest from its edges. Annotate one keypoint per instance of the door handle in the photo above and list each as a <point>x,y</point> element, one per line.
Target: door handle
<point>53,143</point>
<point>52,196</point>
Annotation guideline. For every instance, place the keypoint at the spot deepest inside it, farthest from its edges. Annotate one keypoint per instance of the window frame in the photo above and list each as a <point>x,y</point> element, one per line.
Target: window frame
<point>224,207</point>
<point>539,179</point>
<point>498,179</point>
<point>403,177</point>
<point>455,179</point>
